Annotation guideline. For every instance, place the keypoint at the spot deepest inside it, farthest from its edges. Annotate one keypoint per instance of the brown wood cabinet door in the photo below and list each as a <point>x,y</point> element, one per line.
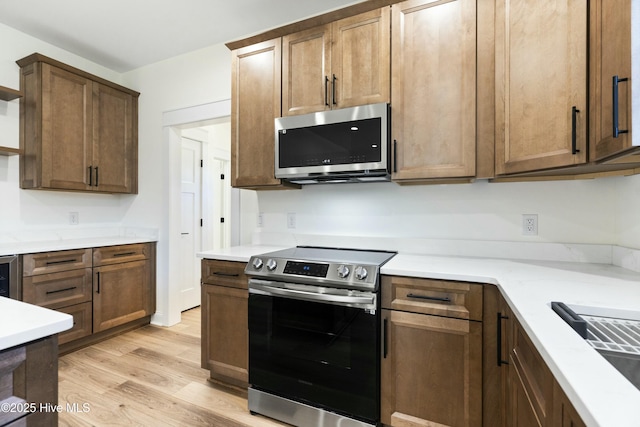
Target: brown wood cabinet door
<point>306,64</point>
<point>521,412</point>
<point>541,75</point>
<point>609,56</point>
<point>360,59</point>
<point>529,384</point>
<point>432,371</point>
<point>255,103</point>
<point>115,154</point>
<point>225,333</point>
<point>66,129</point>
<point>121,293</point>
<point>433,89</point>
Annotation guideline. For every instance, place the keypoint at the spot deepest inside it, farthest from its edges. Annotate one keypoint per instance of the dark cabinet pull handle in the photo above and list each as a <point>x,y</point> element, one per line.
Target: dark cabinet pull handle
<point>615,107</point>
<point>124,254</point>
<point>441,299</point>
<point>98,280</point>
<point>395,156</point>
<point>64,261</point>
<point>219,273</point>
<point>385,344</point>
<point>333,90</point>
<point>61,290</point>
<point>90,176</point>
<point>574,119</point>
<point>326,91</point>
<point>499,340</point>
<point>96,176</point>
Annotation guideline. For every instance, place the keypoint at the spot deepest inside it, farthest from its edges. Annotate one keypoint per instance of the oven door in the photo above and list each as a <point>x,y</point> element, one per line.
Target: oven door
<point>315,352</point>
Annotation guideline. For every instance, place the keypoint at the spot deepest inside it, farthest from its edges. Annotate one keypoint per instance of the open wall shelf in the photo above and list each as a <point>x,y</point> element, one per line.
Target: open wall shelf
<point>7,94</point>
<point>6,151</point>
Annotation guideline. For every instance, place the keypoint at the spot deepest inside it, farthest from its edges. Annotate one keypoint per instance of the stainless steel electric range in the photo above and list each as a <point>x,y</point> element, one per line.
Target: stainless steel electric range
<point>314,336</point>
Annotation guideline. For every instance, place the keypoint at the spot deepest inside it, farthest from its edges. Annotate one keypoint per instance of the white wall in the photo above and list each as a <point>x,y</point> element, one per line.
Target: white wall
<point>627,212</point>
<point>568,211</point>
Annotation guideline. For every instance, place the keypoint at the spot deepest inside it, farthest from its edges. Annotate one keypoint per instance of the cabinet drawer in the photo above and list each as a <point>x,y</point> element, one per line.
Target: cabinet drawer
<point>82,322</point>
<point>57,290</point>
<point>122,253</point>
<point>460,300</point>
<point>52,262</point>
<point>224,273</point>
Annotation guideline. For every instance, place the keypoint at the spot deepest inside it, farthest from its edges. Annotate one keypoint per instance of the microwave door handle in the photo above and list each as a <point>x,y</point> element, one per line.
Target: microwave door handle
<point>264,289</point>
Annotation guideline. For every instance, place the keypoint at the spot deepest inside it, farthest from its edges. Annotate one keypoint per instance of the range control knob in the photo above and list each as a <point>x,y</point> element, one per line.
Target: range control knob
<point>271,264</point>
<point>343,271</point>
<point>257,263</point>
<point>360,272</point>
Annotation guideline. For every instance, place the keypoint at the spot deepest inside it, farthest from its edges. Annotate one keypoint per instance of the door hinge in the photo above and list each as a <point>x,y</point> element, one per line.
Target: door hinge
<point>200,222</point>
<point>201,162</point>
<point>221,176</point>
<point>221,219</point>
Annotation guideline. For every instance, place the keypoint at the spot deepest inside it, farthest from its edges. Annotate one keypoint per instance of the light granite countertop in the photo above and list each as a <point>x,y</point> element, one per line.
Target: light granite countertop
<point>23,323</point>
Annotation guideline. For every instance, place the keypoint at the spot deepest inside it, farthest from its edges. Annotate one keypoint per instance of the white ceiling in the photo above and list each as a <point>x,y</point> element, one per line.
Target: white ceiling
<point>127,34</point>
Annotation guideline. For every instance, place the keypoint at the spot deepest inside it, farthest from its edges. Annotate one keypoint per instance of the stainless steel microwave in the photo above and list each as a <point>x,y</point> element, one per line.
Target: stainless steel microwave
<point>346,145</point>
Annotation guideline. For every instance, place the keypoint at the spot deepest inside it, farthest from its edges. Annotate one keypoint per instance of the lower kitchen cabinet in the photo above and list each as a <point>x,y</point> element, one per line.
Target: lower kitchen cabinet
<point>121,294</point>
<point>225,331</point>
<point>123,284</point>
<point>431,369</point>
<point>105,289</point>
<point>530,394</point>
<point>529,387</point>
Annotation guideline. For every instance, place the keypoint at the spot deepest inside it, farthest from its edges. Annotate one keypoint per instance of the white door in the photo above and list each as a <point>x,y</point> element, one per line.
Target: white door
<point>190,229</point>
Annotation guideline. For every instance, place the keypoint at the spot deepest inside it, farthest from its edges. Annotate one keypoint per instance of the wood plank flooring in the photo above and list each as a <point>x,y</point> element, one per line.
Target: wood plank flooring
<point>149,377</point>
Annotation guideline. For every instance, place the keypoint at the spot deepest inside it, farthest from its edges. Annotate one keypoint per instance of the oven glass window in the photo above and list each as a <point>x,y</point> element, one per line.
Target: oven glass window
<point>331,144</point>
<point>320,354</point>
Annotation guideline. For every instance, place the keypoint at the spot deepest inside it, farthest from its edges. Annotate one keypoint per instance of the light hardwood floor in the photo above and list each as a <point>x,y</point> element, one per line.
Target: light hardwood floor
<point>149,377</point>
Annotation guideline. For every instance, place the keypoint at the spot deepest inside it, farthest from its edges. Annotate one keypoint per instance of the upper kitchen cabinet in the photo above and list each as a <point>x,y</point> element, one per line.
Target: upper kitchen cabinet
<point>433,88</point>
<point>255,104</point>
<point>78,132</point>
<point>541,85</point>
<point>611,83</point>
<point>341,64</point>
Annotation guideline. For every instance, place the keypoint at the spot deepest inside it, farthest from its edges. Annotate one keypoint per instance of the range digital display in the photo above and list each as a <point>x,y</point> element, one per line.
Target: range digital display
<point>306,269</point>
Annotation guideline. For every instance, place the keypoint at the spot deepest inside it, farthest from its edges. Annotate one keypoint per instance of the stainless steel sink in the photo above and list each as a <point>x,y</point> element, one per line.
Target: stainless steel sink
<point>618,341</point>
<point>614,334</point>
<point>628,365</point>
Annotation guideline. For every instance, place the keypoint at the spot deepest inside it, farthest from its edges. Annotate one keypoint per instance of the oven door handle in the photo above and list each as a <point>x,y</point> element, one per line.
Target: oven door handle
<point>263,287</point>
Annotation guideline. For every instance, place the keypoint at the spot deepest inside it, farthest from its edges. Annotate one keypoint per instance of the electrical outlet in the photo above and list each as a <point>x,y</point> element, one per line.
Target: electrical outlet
<point>74,218</point>
<point>260,219</point>
<point>291,220</point>
<point>530,224</point>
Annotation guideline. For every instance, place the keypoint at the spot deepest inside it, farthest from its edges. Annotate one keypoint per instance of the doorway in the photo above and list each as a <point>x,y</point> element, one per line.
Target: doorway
<point>168,302</point>
<point>205,201</point>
